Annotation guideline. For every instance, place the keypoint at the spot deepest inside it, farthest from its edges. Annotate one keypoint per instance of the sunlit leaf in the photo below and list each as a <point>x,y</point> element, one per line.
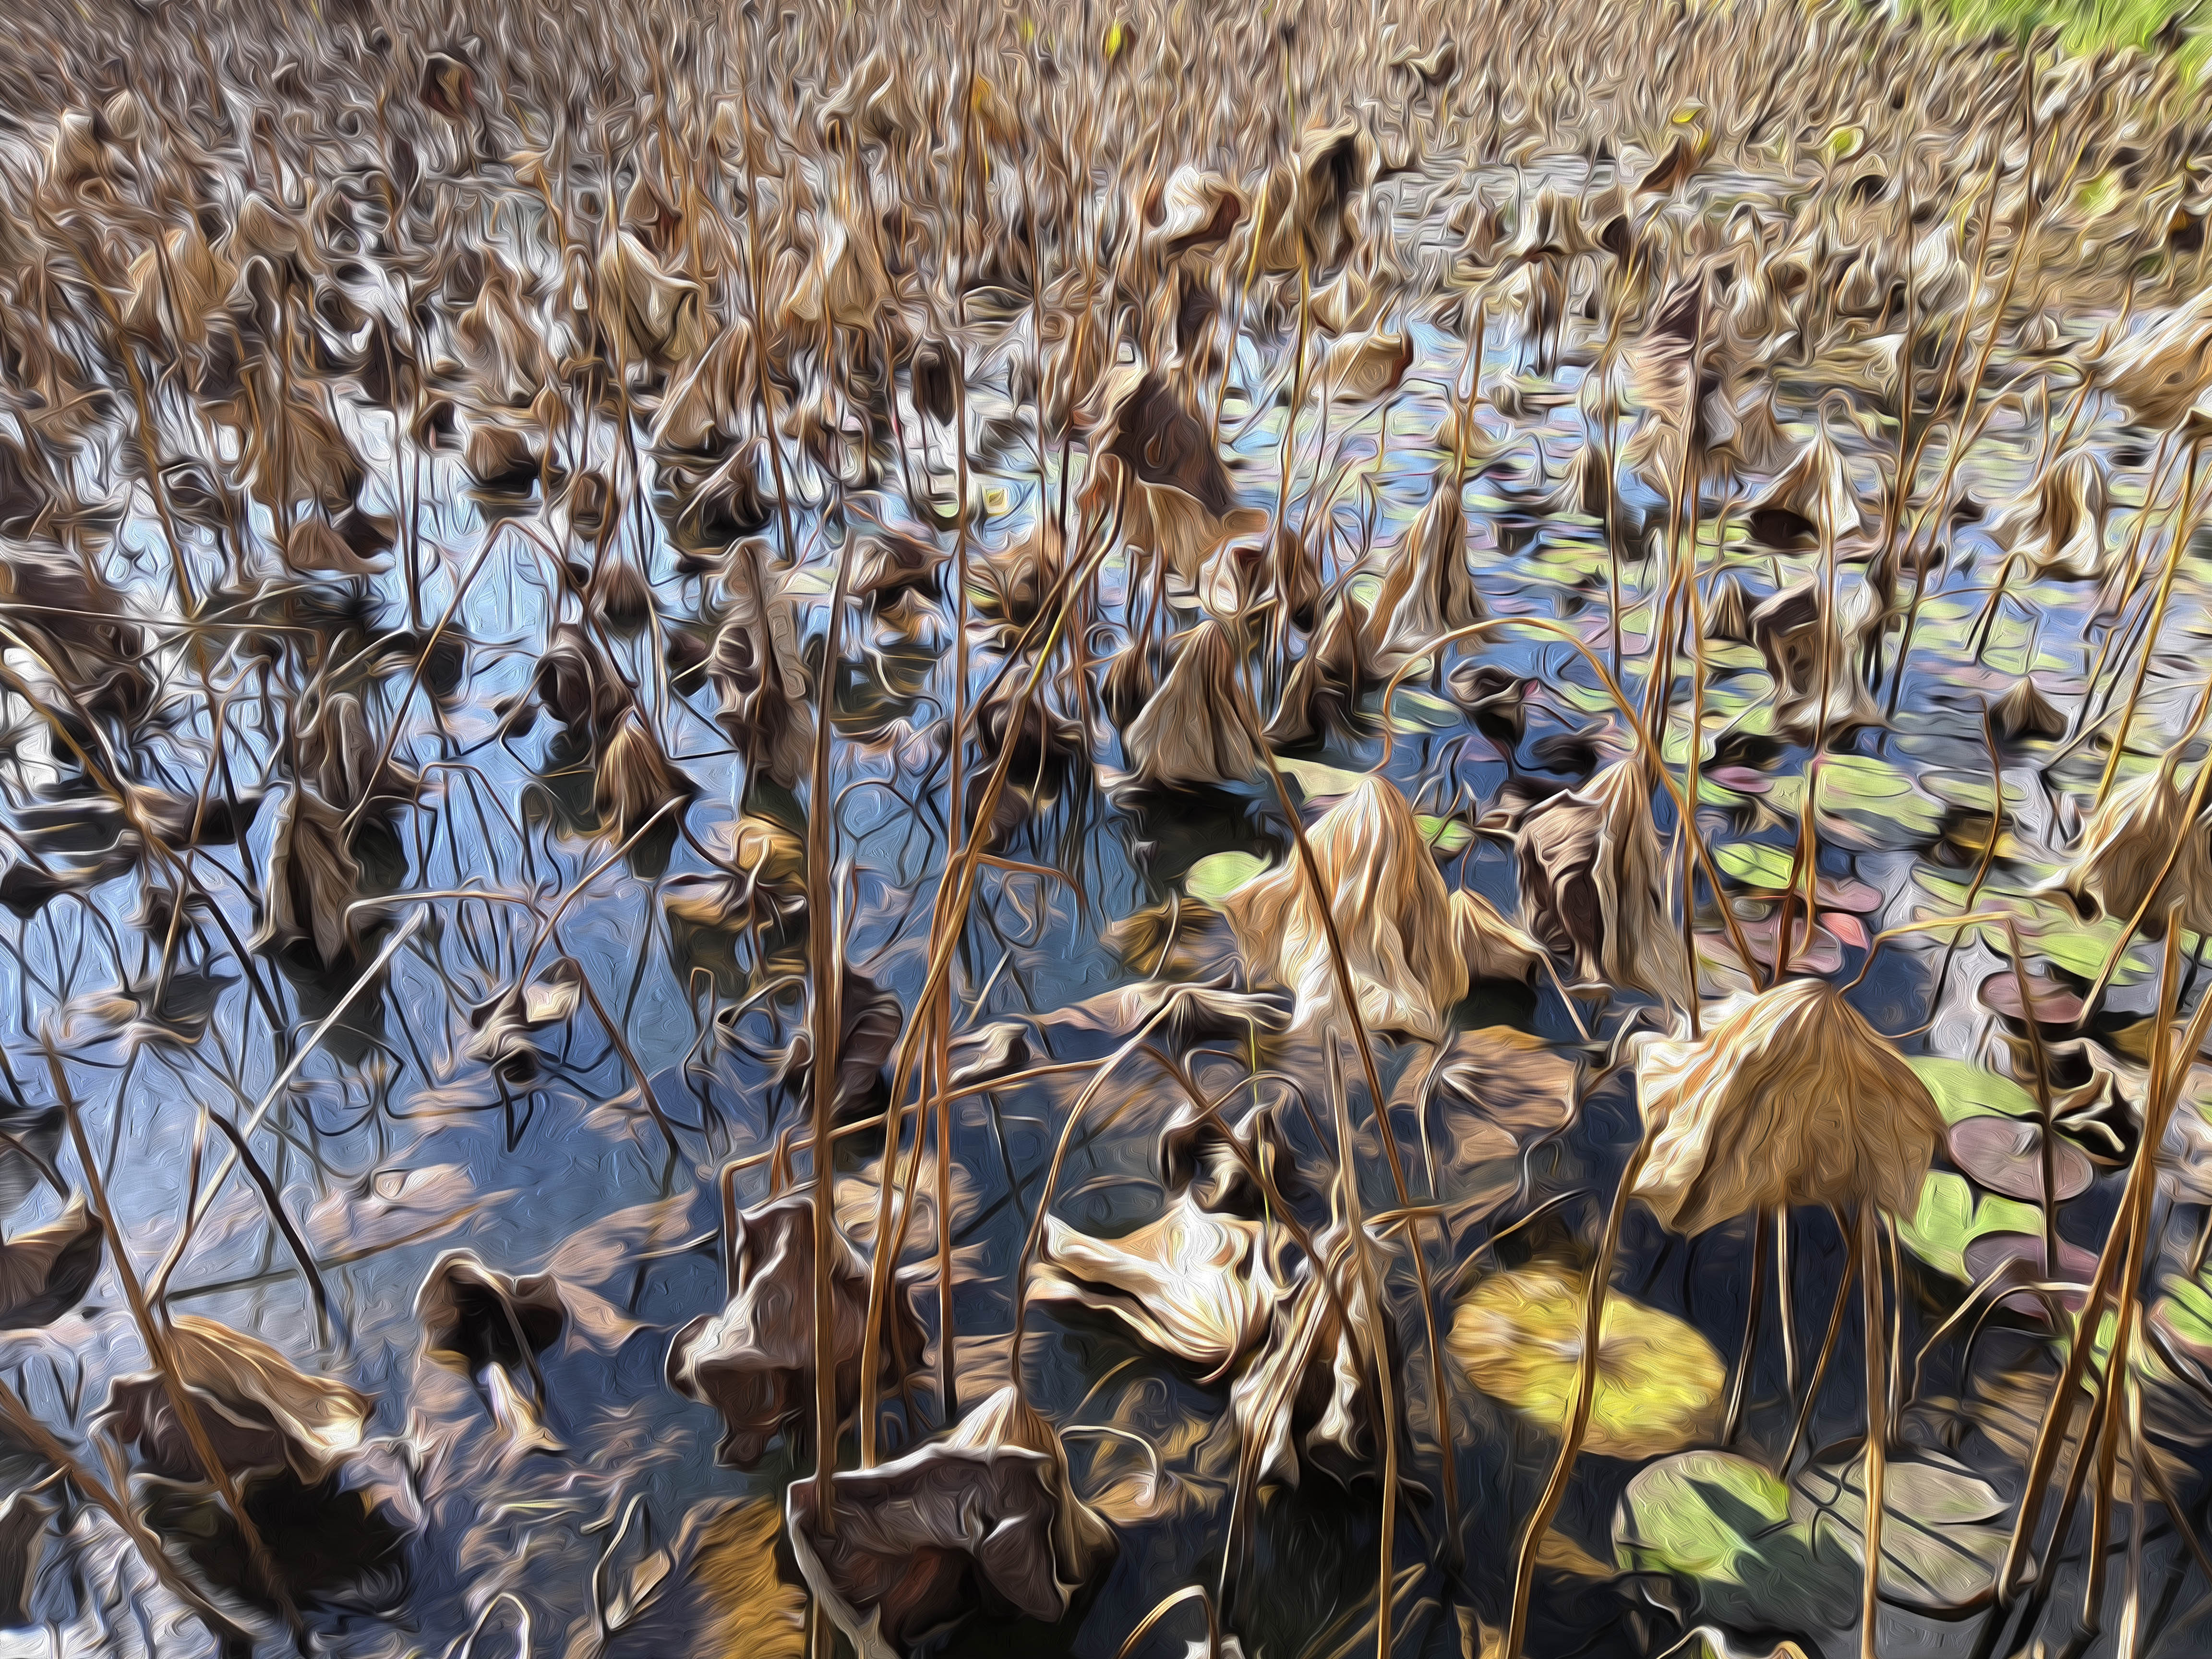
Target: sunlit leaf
<point>1948,1219</point>
<point>1963,1090</point>
<point>1518,1336</point>
<point>1216,875</point>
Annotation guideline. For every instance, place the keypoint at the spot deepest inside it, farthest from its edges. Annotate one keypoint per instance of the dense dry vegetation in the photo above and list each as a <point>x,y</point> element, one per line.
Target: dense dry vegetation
<point>1300,830</point>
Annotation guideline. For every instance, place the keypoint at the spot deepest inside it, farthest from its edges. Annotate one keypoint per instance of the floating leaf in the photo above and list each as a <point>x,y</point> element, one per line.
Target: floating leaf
<point>1948,1219</point>
<point>1942,1531</point>
<point>1760,1555</point>
<point>1216,875</point>
<point>1873,794</point>
<point>1415,711</point>
<point>2005,1155</point>
<point>1518,1335</point>
<point>1447,835</point>
<point>1720,1525</point>
<point>2021,1256</point>
<point>1766,869</point>
<point>1963,1090</point>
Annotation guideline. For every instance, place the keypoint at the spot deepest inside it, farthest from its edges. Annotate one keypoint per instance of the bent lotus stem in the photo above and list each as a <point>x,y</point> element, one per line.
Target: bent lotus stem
<point>1866,1229</point>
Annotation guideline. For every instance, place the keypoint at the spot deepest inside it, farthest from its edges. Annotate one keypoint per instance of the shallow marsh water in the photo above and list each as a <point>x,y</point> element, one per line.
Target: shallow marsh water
<point>535,1528</point>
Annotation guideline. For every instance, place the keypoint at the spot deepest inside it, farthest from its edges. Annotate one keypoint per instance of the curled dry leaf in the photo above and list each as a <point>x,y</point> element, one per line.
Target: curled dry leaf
<point>1193,730</point>
<point>1519,1338</point>
<point>313,878</point>
<point>1393,915</point>
<point>754,1361</point>
<point>758,673</point>
<point>24,1515</point>
<point>2057,525</point>
<point>1788,630</point>
<point>1192,1284</point>
<point>983,1518</point>
<point>870,1020</point>
<point>2157,374</point>
<point>262,1414</point>
<point>1514,1080</point>
<point>473,1316</point>
<point>1307,1399</point>
<point>1193,1013</point>
<point>652,316</point>
<point>1179,506</point>
<point>577,683</point>
<point>635,779</point>
<point>1196,1159</point>
<point>1593,877</point>
<point>44,1271</point>
<point>2024,713</point>
<point>1322,693</point>
<point>1363,366</point>
<point>2123,849</point>
<point>762,877</point>
<point>1491,947</point>
<point>339,756</point>
<point>500,459</point>
<point>506,1026</point>
<point>1427,588</point>
<point>1813,494</point>
<point>1793,1098</point>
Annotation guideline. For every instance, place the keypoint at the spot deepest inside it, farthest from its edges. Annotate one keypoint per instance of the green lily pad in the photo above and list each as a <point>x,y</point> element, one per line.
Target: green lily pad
<point>1760,1555</point>
<point>1589,699</point>
<point>1964,1089</point>
<point>2183,1320</point>
<point>2048,928</point>
<point>1447,835</point>
<point>1867,791</point>
<point>1948,1219</point>
<point>1720,1526</point>
<point>1216,875</point>
<point>1970,793</point>
<point>1414,711</point>
<point>1756,864</point>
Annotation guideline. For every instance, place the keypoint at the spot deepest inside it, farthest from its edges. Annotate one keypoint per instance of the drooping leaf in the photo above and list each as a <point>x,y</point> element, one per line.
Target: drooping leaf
<point>1793,1098</point>
<point>46,1271</point>
<point>261,1411</point>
